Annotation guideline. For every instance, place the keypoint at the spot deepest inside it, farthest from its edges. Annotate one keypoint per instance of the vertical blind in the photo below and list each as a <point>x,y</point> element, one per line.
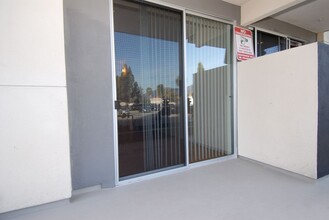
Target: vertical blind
<point>209,86</point>
<point>163,132</point>
<point>148,42</point>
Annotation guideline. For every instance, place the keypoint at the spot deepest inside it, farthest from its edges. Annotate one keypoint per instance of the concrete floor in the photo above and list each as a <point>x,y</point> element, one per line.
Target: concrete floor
<point>233,190</point>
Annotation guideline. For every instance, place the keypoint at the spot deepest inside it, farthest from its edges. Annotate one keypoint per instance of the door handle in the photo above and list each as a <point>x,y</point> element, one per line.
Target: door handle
<point>116,105</point>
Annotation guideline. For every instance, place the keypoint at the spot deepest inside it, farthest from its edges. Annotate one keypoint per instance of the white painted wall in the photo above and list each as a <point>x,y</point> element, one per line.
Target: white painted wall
<point>32,36</point>
<point>35,160</point>
<point>34,137</point>
<point>277,109</point>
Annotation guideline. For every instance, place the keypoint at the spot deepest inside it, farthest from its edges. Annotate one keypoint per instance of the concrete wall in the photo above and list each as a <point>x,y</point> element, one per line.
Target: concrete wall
<point>34,138</point>
<point>323,113</point>
<point>88,59</point>
<point>278,109</point>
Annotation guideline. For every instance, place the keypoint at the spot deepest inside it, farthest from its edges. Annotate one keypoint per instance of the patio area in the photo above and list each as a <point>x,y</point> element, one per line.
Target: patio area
<point>232,190</point>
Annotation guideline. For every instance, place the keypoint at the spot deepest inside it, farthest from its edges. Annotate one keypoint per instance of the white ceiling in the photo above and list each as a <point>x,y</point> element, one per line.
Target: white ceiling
<point>236,2</point>
<point>312,15</point>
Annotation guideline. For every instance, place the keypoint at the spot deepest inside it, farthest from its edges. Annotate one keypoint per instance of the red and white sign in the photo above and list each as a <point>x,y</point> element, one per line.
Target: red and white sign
<point>244,43</point>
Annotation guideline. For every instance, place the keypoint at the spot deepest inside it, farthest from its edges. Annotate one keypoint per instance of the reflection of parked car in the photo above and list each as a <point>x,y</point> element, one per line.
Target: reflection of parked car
<point>155,107</point>
<point>146,108</point>
<point>135,107</point>
<point>173,108</point>
<point>124,113</point>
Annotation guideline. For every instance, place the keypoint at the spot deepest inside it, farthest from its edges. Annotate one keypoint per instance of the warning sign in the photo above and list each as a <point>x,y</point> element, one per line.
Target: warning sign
<point>244,43</point>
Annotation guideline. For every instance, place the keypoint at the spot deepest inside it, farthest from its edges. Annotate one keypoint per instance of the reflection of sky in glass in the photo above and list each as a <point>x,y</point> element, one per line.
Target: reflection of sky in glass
<point>271,50</point>
<point>210,57</point>
<point>152,61</point>
<point>155,61</point>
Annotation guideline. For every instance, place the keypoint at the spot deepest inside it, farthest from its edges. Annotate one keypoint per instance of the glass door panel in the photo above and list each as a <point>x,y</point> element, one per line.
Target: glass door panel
<point>209,88</point>
<point>148,51</point>
<point>269,43</point>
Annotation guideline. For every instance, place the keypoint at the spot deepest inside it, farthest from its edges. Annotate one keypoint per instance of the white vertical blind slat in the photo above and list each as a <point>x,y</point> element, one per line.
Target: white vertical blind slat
<point>210,129</point>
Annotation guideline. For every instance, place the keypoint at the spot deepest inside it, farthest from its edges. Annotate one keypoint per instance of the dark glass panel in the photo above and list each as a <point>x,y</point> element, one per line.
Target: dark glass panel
<point>148,50</point>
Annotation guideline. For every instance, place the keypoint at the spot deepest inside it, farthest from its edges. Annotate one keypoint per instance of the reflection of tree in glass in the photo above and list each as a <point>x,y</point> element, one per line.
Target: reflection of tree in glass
<point>177,81</point>
<point>136,93</point>
<point>149,92</point>
<point>171,94</point>
<point>200,68</point>
<point>160,91</point>
<point>128,89</point>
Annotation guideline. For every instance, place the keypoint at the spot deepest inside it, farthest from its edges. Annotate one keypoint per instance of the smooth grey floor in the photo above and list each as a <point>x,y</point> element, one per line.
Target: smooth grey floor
<point>233,190</point>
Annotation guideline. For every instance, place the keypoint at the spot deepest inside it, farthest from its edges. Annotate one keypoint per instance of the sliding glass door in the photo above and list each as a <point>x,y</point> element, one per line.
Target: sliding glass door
<point>209,76</point>
<point>149,73</point>
<point>151,88</point>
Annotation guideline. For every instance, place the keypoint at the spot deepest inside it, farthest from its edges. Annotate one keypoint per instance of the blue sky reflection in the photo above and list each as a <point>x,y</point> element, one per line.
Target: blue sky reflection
<point>156,61</point>
<point>210,57</point>
<point>153,61</point>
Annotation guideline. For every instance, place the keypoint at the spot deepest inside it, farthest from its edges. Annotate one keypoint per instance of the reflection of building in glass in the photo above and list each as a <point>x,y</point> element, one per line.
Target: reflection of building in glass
<point>212,112</point>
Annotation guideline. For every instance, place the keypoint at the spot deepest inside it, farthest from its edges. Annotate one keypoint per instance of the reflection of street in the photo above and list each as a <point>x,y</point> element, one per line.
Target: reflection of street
<point>136,120</point>
<point>149,141</point>
<point>137,115</point>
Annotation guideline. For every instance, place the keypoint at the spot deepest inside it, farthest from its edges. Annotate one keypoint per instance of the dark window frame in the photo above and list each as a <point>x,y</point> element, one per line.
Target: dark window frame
<point>279,36</point>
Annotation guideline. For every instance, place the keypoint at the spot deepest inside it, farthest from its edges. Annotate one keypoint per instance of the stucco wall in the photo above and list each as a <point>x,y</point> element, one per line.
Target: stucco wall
<point>34,139</point>
<point>89,82</point>
<point>323,112</point>
<point>278,107</point>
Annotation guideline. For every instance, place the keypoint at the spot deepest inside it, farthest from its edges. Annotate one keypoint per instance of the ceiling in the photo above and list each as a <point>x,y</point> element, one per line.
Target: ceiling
<point>312,15</point>
<point>236,2</point>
